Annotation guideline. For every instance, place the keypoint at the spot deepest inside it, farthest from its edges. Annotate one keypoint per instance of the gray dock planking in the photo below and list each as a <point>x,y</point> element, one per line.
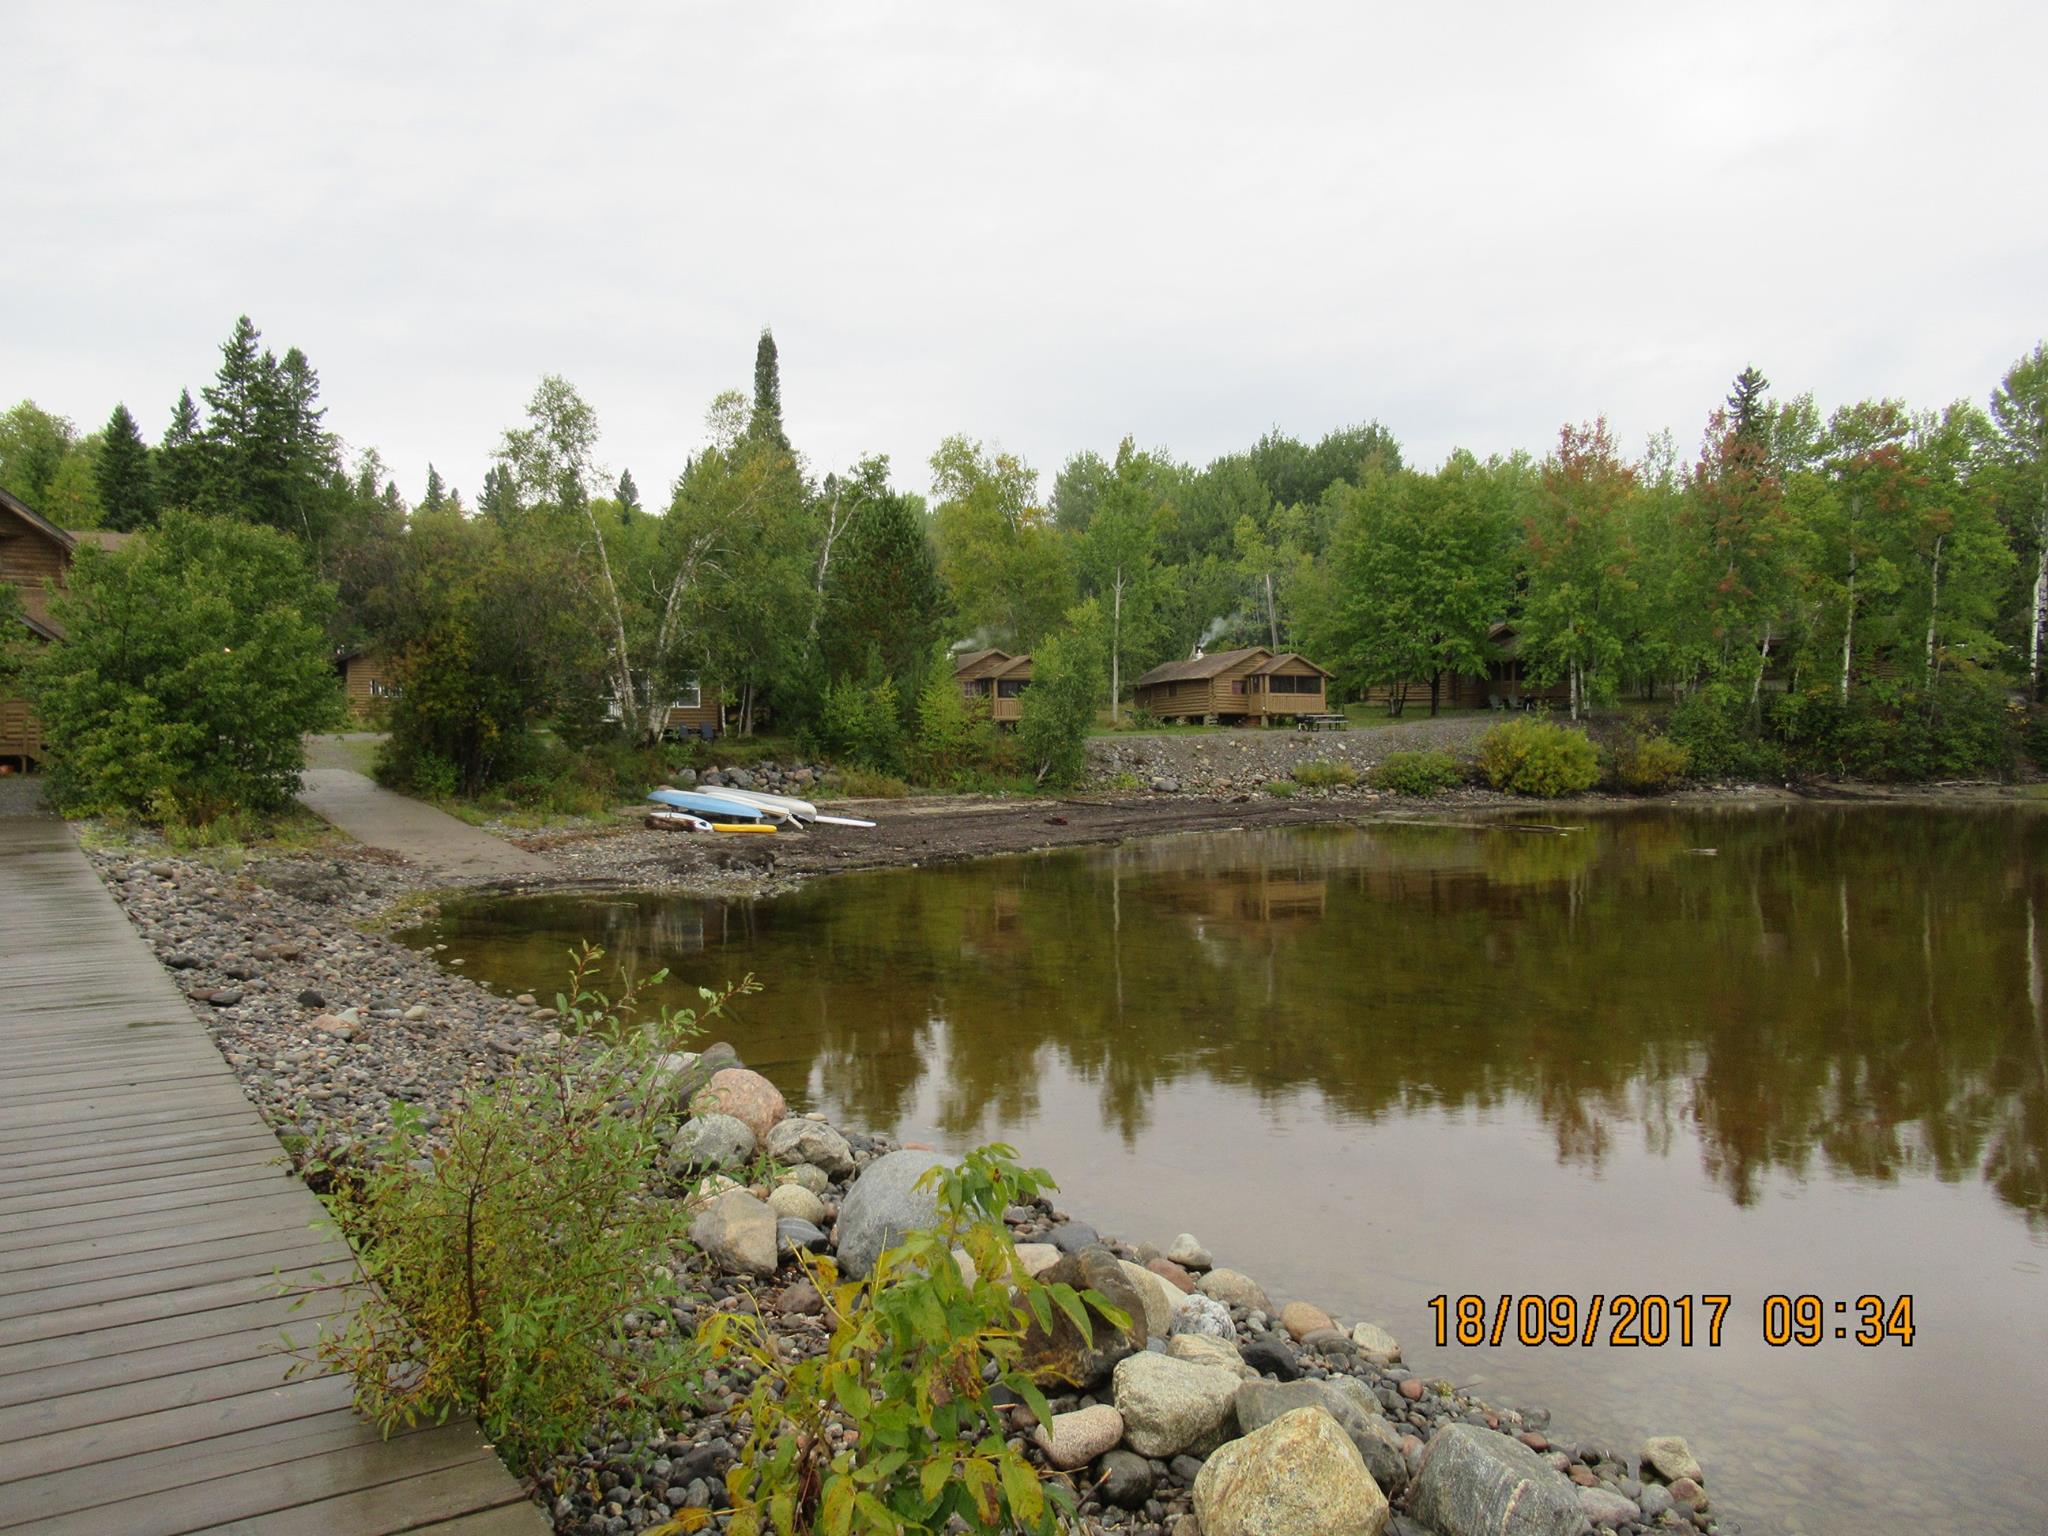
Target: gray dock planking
<point>147,1219</point>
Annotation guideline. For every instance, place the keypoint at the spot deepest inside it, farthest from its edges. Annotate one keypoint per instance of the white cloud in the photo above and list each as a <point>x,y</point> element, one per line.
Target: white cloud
<point>1047,225</point>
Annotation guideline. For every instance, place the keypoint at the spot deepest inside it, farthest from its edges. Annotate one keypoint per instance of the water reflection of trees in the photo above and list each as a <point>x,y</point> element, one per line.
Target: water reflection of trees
<point>1860,991</point>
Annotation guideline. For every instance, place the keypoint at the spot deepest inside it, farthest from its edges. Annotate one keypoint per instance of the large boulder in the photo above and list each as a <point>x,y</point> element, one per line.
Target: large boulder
<point>1234,1290</point>
<point>1161,1301</point>
<point>797,1140</point>
<point>737,1232</point>
<point>1061,1353</point>
<point>1475,1482</point>
<point>747,1096</point>
<point>1171,1406</point>
<point>883,1207</point>
<point>1297,1476</point>
<point>1346,1400</point>
<point>711,1141</point>
<point>1197,1349</point>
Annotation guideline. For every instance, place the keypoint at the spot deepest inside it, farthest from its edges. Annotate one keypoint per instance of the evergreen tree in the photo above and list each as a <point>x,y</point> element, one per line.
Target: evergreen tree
<point>1748,413</point>
<point>765,425</point>
<point>499,499</point>
<point>629,497</point>
<point>233,402</point>
<point>127,490</point>
<point>181,457</point>
<point>436,498</point>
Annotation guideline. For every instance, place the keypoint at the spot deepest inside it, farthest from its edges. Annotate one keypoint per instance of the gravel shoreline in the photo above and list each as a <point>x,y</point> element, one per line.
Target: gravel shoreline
<point>327,1022</point>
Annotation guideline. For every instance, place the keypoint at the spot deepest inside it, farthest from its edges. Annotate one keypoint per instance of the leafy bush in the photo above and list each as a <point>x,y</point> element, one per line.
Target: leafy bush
<point>1712,724</point>
<point>1417,773</point>
<point>1531,757</point>
<point>916,1354</point>
<point>197,659</point>
<point>1322,774</point>
<point>499,1263</point>
<point>861,725</point>
<point>2037,739</point>
<point>954,734</point>
<point>1280,789</point>
<point>1068,674</point>
<point>1646,763</point>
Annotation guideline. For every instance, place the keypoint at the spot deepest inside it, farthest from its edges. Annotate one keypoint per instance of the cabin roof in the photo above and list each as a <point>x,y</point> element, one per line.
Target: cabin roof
<point>36,521</point>
<point>41,627</point>
<point>1211,665</point>
<point>105,538</point>
<point>1011,667</point>
<point>974,659</point>
<point>1269,667</point>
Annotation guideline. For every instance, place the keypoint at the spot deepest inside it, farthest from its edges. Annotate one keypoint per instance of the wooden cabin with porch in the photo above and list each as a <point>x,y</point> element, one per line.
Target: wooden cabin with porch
<point>1245,687</point>
<point>996,679</point>
<point>1504,685</point>
<point>35,556</point>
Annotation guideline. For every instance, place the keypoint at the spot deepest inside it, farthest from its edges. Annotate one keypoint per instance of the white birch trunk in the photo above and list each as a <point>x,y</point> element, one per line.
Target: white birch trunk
<point>1116,642</point>
<point>1763,662</point>
<point>1849,619</point>
<point>834,526</point>
<point>2040,608</point>
<point>622,662</point>
<point>1272,614</point>
<point>1934,604</point>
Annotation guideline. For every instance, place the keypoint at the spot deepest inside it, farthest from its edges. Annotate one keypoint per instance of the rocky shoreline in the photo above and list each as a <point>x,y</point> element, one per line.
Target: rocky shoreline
<point>327,1023</point>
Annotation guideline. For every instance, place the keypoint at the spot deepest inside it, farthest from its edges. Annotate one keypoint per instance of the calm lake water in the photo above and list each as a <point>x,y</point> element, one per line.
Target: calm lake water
<point>1752,1052</point>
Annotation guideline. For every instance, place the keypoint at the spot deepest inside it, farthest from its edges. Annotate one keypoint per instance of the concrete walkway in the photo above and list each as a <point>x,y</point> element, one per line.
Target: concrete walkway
<point>146,1222</point>
<point>415,831</point>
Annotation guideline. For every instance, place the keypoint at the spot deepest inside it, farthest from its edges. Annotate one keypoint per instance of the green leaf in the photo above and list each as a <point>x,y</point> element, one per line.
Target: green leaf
<point>1068,1302</point>
<point>838,1505</point>
<point>936,1474</point>
<point>1020,1483</point>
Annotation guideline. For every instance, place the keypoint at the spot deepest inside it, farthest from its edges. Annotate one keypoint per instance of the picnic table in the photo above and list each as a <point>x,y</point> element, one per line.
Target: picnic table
<point>1322,722</point>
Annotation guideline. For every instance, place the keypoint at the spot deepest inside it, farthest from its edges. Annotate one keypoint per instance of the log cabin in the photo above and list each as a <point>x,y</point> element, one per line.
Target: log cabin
<point>1504,685</point>
<point>366,682</point>
<point>1247,687</point>
<point>35,557</point>
<point>996,679</point>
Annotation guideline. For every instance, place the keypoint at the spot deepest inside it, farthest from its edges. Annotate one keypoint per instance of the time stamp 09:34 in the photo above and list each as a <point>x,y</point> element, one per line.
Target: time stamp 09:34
<point>1627,1321</point>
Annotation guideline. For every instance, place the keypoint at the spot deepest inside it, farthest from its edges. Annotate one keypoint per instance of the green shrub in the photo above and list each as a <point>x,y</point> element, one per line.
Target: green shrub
<point>916,1354</point>
<point>1532,757</point>
<point>954,734</point>
<point>1124,782</point>
<point>1067,676</point>
<point>1417,773</point>
<point>1712,724</point>
<point>861,725</point>
<point>197,659</point>
<point>862,784</point>
<point>1280,789</point>
<point>499,1261</point>
<point>1320,773</point>
<point>1646,763</point>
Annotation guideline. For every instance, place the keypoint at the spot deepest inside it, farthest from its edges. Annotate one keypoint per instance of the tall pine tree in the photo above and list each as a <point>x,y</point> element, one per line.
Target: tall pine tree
<point>127,490</point>
<point>181,457</point>
<point>765,425</point>
<point>628,496</point>
<point>436,498</point>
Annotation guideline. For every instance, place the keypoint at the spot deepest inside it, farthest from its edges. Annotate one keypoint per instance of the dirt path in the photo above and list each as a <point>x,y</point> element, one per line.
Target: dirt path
<point>416,832</point>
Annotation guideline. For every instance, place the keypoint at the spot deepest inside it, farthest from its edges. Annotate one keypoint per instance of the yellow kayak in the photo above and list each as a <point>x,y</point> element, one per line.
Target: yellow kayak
<point>742,826</point>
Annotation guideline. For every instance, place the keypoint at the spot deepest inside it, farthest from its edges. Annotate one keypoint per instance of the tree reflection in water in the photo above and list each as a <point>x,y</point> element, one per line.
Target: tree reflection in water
<point>1860,992</point>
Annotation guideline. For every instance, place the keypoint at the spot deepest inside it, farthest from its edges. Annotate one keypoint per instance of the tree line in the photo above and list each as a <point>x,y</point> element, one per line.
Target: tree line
<point>1801,580</point>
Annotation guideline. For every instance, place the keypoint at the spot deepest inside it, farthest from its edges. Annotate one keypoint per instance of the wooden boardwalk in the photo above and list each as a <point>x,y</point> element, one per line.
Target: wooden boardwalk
<point>146,1216</point>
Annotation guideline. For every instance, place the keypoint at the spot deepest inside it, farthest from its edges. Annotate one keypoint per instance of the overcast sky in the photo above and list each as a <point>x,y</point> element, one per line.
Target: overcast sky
<point>1044,225</point>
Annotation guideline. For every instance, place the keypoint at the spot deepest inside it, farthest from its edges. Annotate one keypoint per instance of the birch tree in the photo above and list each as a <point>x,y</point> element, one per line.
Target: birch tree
<point>2019,415</point>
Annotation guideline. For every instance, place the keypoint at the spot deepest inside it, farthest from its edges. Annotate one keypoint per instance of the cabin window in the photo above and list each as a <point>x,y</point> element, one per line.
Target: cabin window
<point>1237,685</point>
<point>689,696</point>
<point>1012,687</point>
<point>379,689</point>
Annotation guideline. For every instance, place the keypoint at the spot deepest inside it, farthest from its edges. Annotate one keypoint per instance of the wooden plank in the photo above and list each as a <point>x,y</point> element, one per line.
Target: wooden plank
<point>94,1192</point>
<point>472,1487</point>
<point>204,1504</point>
<point>149,1236</point>
<point>166,1253</point>
<point>173,1426</point>
<point>40,1122</point>
<point>97,1156</point>
<point>130,1399</point>
<point>138,1351</point>
<point>49,1495</point>
<point>86,1317</point>
<point>507,1520</point>
<point>243,1265</point>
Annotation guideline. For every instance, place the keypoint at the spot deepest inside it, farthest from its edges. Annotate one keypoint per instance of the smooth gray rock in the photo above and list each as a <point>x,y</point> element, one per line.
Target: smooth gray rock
<point>1073,1236</point>
<point>1671,1458</point>
<point>1356,1411</point>
<point>1475,1482</point>
<point>1075,1439</point>
<point>793,1233</point>
<point>1188,1253</point>
<point>1234,1290</point>
<point>1170,1406</point>
<point>711,1141</point>
<point>883,1207</point>
<point>737,1232</point>
<point>797,1140</point>
<point>1607,1509</point>
<point>1061,1353</point>
<point>1124,1479</point>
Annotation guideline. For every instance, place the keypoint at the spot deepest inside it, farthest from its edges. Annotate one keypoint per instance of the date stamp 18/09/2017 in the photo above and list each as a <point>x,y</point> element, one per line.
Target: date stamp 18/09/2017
<point>1630,1321</point>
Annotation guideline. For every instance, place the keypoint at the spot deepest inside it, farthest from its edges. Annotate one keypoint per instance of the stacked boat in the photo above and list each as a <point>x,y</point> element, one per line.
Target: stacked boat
<point>738,810</point>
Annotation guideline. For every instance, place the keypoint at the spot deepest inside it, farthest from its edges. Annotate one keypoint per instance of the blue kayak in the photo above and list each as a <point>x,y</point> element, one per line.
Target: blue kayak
<point>710,807</point>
